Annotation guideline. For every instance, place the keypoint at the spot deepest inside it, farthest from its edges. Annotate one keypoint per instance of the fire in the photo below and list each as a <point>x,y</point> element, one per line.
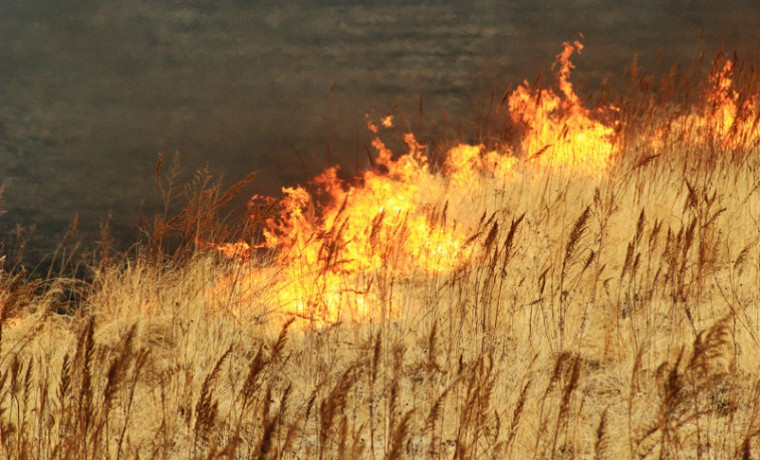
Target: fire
<point>561,132</point>
<point>363,227</point>
<point>730,119</point>
<point>725,119</point>
<point>339,243</point>
<point>381,225</point>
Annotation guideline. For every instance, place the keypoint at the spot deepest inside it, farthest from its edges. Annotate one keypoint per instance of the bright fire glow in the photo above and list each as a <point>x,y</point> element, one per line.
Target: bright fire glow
<point>561,132</point>
<point>726,119</point>
<point>340,245</point>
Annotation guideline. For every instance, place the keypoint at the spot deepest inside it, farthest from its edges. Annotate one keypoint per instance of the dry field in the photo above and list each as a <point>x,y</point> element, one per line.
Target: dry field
<point>582,282</point>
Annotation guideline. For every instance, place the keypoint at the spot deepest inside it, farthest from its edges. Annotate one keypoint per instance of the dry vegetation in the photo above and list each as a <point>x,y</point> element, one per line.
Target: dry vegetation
<point>611,317</point>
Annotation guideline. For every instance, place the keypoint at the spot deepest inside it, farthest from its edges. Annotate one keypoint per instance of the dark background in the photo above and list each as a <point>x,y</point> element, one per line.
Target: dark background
<point>92,91</point>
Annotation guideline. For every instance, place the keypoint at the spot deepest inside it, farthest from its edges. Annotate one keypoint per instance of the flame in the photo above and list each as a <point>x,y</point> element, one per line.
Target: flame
<point>561,132</point>
<point>733,122</point>
<point>380,225</point>
<point>725,119</point>
<point>339,244</point>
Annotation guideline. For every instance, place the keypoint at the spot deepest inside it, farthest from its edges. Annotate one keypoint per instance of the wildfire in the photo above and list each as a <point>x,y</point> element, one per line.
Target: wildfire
<point>380,226</point>
<point>338,244</point>
<point>560,131</point>
<point>734,122</point>
<point>725,119</point>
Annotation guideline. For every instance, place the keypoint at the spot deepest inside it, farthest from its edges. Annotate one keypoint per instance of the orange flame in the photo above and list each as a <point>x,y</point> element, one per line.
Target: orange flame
<point>560,130</point>
<point>336,247</point>
<point>726,119</point>
<point>734,122</point>
<point>380,225</point>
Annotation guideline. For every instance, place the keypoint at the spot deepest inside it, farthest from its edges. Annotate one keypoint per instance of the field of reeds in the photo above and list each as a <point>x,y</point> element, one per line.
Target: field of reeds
<point>602,314</point>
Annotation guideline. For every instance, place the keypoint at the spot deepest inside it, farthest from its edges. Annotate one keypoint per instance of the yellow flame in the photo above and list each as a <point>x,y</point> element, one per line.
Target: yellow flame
<point>334,251</point>
<point>724,119</point>
<point>560,131</point>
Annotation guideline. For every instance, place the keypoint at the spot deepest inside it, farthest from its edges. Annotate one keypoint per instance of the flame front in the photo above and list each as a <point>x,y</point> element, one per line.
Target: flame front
<point>340,247</point>
<point>385,225</point>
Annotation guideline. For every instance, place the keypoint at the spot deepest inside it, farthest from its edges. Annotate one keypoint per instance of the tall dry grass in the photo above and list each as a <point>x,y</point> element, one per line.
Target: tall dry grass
<point>610,317</point>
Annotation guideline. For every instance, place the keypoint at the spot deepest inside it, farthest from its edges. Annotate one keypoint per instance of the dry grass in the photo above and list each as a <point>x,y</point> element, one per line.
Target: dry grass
<point>608,317</point>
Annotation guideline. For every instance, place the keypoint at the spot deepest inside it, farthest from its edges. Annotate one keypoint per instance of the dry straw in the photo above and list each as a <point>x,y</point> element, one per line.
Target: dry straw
<point>596,317</point>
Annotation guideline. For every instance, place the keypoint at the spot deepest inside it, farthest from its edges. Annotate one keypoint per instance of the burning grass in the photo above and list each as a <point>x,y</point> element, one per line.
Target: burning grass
<point>587,288</point>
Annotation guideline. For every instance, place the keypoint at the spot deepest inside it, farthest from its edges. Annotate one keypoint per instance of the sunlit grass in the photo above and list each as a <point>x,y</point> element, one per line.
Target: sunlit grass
<point>594,316</point>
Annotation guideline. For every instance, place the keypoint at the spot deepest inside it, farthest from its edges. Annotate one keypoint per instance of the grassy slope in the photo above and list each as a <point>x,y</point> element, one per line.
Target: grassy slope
<point>618,321</point>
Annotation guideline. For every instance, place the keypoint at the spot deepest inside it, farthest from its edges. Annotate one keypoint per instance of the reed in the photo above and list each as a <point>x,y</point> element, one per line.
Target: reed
<point>606,316</point>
